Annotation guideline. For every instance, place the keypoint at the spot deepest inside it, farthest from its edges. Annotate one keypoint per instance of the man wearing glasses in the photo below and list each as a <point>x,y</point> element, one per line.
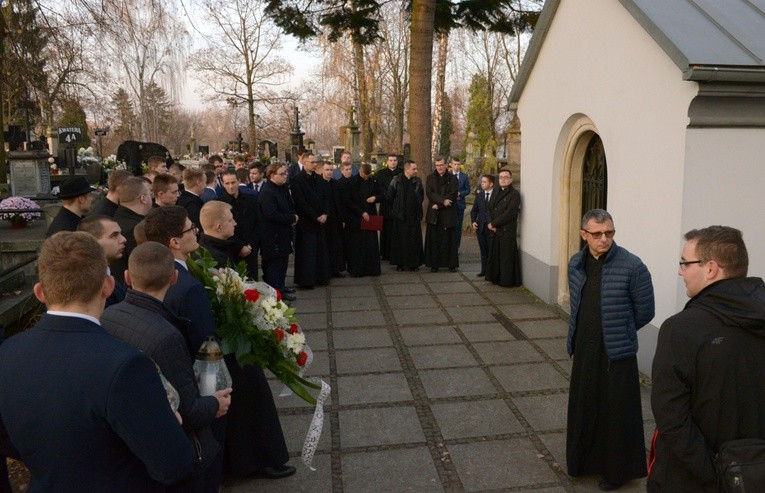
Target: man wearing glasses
<point>611,298</point>
<point>708,384</point>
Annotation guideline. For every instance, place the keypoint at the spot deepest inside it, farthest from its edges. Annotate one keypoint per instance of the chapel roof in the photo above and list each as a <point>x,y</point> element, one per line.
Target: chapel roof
<point>708,40</point>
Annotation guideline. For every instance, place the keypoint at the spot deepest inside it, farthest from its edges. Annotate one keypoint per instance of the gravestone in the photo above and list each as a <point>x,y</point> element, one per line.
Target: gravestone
<point>30,173</point>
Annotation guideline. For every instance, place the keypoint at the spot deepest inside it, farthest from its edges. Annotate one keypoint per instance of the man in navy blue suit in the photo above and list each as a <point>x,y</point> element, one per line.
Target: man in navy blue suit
<point>479,219</point>
<point>95,416</point>
<point>463,190</point>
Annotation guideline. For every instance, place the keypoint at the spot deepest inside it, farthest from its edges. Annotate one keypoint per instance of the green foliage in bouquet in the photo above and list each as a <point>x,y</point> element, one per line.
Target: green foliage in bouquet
<point>253,323</point>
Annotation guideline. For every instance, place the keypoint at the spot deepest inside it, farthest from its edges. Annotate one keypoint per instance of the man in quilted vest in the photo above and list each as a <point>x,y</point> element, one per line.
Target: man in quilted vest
<point>611,298</point>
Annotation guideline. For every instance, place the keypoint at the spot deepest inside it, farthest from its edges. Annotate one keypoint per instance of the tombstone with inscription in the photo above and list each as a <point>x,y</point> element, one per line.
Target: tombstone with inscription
<point>30,173</point>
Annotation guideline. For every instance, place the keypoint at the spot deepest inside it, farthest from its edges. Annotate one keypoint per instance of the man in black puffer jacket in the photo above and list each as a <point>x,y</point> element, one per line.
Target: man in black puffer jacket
<point>145,323</point>
<point>708,385</point>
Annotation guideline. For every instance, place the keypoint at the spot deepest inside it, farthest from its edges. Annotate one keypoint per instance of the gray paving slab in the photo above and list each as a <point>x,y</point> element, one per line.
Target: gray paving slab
<point>536,376</point>
<point>554,348</point>
<point>456,382</point>
<point>535,329</point>
<point>475,419</point>
<point>525,311</point>
<point>362,289</point>
<point>463,299</point>
<point>361,338</point>
<point>362,389</point>
<point>304,480</point>
<point>454,287</point>
<point>409,469</point>
<point>356,303</point>
<point>441,356</point>
<point>485,332</point>
<point>317,340</point>
<point>410,288</point>
<point>316,305</point>
<point>419,316</point>
<point>320,365</point>
<point>470,314</point>
<point>380,426</point>
<point>312,321</point>
<point>295,427</point>
<point>507,352</point>
<point>317,293</point>
<point>426,336</point>
<point>412,301</point>
<point>515,463</point>
<point>544,412</point>
<point>367,318</point>
<point>369,360</point>
<point>408,385</point>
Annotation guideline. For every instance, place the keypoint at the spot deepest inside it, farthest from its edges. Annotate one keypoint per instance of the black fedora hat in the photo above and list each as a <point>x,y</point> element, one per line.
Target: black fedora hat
<point>74,187</point>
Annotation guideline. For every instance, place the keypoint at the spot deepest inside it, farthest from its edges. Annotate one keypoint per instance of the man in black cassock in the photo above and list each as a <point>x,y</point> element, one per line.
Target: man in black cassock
<point>335,221</point>
<point>245,210</point>
<point>405,195</point>
<point>440,237</point>
<point>312,207</point>
<point>504,264</point>
<point>611,298</point>
<point>362,193</point>
<point>384,177</point>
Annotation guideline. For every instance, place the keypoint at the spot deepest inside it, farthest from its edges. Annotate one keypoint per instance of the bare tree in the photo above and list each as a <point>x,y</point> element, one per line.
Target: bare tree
<point>141,42</point>
<point>241,66</point>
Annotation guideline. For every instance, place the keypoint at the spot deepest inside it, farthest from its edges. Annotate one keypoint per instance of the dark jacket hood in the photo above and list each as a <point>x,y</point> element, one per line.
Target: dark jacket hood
<point>736,302</point>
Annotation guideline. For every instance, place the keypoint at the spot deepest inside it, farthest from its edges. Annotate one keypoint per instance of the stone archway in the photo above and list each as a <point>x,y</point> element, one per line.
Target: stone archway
<point>582,148</point>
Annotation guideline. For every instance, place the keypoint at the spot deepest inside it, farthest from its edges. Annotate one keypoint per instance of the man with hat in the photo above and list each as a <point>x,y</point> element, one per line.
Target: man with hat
<point>76,198</point>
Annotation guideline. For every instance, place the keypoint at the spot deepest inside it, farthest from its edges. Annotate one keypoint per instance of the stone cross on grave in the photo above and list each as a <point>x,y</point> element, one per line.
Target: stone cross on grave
<point>297,120</point>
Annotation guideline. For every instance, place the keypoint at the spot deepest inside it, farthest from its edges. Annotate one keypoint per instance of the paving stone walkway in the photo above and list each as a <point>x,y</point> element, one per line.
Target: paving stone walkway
<point>440,382</point>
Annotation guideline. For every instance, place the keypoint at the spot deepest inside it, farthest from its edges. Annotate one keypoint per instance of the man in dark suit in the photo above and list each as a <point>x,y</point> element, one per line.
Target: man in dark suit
<point>278,215</point>
<point>109,203</point>
<point>142,321</point>
<point>312,207</point>
<point>209,193</point>
<point>478,216</point>
<point>111,428</point>
<point>384,177</point>
<point>504,265</point>
<point>297,166</point>
<point>108,234</point>
<point>463,190</point>
<point>440,238</point>
<point>135,203</point>
<point>220,166</point>
<point>190,198</point>
<point>76,199</point>
<point>244,207</point>
<point>256,178</point>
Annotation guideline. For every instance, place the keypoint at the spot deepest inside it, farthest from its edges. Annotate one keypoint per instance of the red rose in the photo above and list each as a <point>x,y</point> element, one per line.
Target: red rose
<point>251,295</point>
<point>278,295</point>
<point>279,333</point>
<point>302,358</point>
<point>293,329</point>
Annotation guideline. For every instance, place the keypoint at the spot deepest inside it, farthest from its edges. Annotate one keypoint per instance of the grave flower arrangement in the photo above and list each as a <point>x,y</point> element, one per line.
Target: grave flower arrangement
<point>253,323</point>
<point>19,205</point>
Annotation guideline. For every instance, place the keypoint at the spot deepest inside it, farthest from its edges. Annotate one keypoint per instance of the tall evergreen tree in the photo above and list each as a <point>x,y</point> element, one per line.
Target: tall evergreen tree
<point>74,116</point>
<point>360,19</point>
<point>126,119</point>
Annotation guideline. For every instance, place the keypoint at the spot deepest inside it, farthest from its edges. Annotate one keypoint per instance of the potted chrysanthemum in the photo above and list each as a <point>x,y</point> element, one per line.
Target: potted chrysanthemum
<point>19,211</point>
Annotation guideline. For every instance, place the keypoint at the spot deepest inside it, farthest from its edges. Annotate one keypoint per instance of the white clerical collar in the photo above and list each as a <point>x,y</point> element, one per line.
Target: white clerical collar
<point>59,313</point>
<point>182,263</point>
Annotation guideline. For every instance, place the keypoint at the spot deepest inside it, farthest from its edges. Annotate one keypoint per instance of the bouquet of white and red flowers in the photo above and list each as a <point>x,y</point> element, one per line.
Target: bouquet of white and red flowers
<point>254,324</point>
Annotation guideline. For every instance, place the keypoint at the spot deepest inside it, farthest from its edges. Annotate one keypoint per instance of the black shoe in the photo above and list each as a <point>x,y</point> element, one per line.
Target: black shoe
<point>415,269</point>
<point>606,486</point>
<point>434,269</point>
<point>481,274</point>
<point>338,275</point>
<point>452,269</point>
<point>289,296</point>
<point>287,290</point>
<point>277,472</point>
<point>399,268</point>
